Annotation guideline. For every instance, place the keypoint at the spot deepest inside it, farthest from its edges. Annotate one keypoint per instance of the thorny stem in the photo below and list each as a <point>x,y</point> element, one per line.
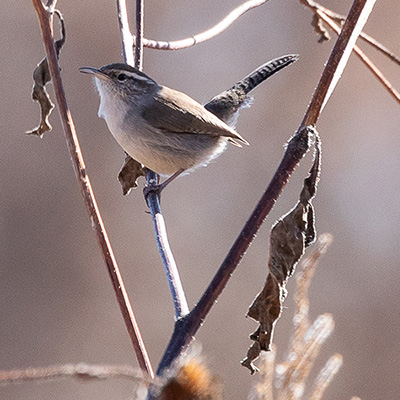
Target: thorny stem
<point>46,20</point>
<point>206,35</point>
<point>186,328</point>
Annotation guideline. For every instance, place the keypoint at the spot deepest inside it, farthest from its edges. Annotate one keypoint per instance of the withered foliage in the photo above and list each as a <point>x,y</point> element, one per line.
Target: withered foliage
<point>320,29</point>
<point>41,77</point>
<point>289,237</point>
<point>287,380</point>
<point>130,172</point>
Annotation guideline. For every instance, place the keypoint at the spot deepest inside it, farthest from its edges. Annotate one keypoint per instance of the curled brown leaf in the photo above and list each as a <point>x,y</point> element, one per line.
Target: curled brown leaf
<point>289,237</point>
<point>41,77</point>
<point>130,172</point>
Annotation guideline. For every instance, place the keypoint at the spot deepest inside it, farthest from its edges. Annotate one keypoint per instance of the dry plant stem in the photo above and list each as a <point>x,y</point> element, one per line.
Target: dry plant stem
<point>178,296</point>
<point>385,82</point>
<point>46,19</point>
<point>340,54</point>
<point>78,371</point>
<point>126,36</point>
<point>380,47</point>
<point>206,35</point>
<point>139,34</point>
<point>186,328</point>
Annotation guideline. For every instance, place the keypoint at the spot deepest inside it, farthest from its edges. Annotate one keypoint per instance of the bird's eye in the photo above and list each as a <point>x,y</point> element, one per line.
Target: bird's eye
<point>121,77</point>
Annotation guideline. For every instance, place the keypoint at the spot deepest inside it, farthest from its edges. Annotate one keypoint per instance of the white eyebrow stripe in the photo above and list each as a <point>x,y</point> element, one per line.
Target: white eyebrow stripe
<point>135,76</point>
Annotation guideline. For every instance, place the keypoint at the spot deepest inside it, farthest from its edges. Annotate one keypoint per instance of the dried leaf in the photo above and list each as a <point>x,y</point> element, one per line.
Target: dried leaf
<point>130,173</point>
<point>319,28</point>
<point>288,239</point>
<point>41,76</point>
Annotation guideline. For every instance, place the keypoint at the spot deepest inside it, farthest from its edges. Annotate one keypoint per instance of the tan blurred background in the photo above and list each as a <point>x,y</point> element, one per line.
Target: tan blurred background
<point>57,305</point>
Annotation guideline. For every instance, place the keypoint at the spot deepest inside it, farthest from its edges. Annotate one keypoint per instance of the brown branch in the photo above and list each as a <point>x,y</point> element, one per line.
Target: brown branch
<point>186,328</point>
<point>45,19</point>
<point>206,35</point>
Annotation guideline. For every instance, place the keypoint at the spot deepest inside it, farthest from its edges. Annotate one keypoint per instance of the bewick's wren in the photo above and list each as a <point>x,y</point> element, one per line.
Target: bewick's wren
<point>166,130</point>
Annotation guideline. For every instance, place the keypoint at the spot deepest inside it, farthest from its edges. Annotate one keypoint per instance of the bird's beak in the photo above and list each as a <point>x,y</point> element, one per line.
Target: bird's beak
<point>94,71</point>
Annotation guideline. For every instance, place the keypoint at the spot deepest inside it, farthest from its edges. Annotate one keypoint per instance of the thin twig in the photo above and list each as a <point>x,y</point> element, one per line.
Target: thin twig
<point>333,20</point>
<point>78,371</point>
<point>314,7</point>
<point>45,19</point>
<point>186,328</point>
<point>340,54</point>
<point>139,34</point>
<point>380,47</point>
<point>371,66</point>
<point>206,35</point>
<point>126,36</point>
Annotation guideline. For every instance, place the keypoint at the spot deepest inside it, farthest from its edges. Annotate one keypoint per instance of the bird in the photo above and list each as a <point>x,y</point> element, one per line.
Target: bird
<point>166,130</point>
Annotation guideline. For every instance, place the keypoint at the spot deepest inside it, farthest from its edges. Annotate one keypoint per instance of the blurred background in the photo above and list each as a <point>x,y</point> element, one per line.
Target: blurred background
<point>56,301</point>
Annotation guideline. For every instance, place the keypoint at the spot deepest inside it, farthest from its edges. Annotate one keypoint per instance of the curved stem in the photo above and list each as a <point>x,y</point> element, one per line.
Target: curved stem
<point>45,19</point>
<point>206,35</point>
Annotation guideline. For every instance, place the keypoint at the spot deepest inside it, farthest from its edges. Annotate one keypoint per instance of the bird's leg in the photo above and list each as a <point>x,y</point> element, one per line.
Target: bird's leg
<point>158,188</point>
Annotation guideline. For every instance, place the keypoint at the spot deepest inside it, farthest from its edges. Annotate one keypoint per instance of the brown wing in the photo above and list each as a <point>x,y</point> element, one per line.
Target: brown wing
<point>176,112</point>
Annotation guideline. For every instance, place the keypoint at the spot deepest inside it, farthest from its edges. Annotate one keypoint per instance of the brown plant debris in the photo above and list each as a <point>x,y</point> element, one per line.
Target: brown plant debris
<point>287,380</point>
<point>41,76</point>
<point>130,172</point>
<point>289,237</point>
<point>320,29</point>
